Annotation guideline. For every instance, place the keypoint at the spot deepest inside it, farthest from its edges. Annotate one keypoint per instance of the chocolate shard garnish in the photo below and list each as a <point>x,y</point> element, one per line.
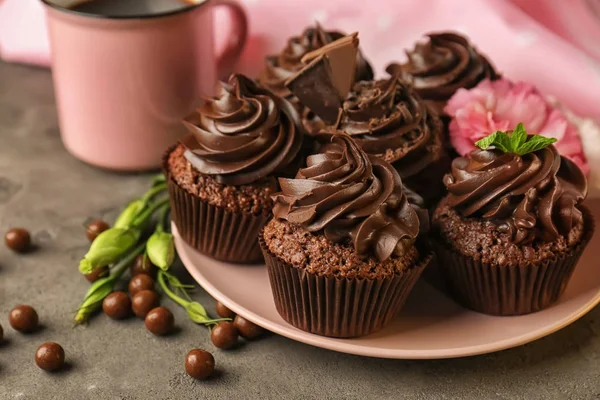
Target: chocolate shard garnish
<point>323,84</point>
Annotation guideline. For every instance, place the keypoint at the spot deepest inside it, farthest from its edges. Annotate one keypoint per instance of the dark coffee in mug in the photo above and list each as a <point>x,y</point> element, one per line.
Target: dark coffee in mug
<point>129,8</point>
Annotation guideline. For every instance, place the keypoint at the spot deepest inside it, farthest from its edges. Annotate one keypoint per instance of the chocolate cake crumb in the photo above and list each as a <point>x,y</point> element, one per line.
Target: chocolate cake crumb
<point>481,240</point>
<point>297,246</point>
<point>254,198</point>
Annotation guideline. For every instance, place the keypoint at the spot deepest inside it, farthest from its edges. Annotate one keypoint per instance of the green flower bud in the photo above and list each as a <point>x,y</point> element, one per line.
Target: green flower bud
<point>93,298</point>
<point>108,247</point>
<point>161,250</point>
<point>130,214</point>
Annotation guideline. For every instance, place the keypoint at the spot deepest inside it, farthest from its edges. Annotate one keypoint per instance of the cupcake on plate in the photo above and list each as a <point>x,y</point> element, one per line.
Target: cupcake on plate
<point>222,175</point>
<point>385,117</point>
<point>442,65</point>
<point>279,68</point>
<point>342,250</point>
<point>512,227</point>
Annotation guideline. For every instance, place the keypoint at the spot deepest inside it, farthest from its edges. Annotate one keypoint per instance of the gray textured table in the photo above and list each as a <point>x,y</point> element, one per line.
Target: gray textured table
<point>47,191</point>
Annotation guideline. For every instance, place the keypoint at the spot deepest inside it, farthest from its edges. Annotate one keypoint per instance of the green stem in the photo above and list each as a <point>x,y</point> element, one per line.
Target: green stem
<point>122,265</point>
<point>153,191</point>
<point>146,214</point>
<point>168,292</point>
<point>161,225</point>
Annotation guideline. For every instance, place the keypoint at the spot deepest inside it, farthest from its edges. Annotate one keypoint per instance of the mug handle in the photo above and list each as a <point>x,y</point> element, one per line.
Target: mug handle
<point>237,37</point>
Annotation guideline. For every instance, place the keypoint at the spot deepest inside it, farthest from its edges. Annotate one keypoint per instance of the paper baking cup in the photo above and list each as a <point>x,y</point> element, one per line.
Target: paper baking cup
<point>337,307</point>
<point>508,290</point>
<point>214,231</point>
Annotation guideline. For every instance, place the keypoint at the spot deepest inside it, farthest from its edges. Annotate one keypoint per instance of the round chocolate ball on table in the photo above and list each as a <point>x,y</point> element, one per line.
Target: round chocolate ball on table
<point>199,364</point>
<point>247,329</point>
<point>223,311</point>
<point>117,305</point>
<point>50,357</point>
<point>143,265</point>
<point>95,228</point>
<point>140,282</point>
<point>18,240</point>
<point>97,274</point>
<point>160,321</point>
<point>144,302</point>
<point>24,319</point>
<point>224,335</point>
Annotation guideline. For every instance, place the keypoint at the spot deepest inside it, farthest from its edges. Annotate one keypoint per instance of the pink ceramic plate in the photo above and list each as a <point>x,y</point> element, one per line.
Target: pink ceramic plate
<point>430,326</point>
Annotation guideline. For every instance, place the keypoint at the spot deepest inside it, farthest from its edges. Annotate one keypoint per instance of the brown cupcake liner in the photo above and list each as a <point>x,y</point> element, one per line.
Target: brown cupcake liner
<point>212,230</point>
<point>508,290</point>
<point>337,307</point>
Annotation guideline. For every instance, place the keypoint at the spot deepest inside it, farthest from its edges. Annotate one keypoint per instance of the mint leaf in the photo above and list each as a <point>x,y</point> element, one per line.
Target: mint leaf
<point>487,141</point>
<point>535,143</point>
<point>518,137</point>
<point>498,139</point>
<point>517,142</point>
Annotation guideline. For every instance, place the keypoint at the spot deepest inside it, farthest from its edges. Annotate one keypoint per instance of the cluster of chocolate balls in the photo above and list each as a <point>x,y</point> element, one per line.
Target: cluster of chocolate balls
<point>141,300</point>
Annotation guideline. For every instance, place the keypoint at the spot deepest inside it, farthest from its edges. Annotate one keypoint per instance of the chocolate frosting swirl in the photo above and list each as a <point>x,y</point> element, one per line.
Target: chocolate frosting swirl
<point>351,197</point>
<point>535,196</point>
<point>385,115</point>
<point>243,134</point>
<point>442,65</point>
<point>279,68</point>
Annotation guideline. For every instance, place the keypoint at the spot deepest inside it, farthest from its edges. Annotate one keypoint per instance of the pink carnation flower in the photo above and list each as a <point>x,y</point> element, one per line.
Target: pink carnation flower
<point>501,105</point>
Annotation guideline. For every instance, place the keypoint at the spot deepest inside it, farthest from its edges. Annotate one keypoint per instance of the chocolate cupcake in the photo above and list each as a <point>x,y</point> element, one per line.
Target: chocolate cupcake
<point>222,175</point>
<point>512,228</point>
<point>279,68</point>
<point>341,249</point>
<point>388,120</point>
<point>441,66</point>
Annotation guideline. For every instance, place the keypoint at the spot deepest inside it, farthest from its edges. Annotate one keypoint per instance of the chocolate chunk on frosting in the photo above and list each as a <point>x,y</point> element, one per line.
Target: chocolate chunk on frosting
<point>352,198</point>
<point>279,68</point>
<point>441,66</point>
<point>530,197</point>
<point>327,78</point>
<point>243,134</point>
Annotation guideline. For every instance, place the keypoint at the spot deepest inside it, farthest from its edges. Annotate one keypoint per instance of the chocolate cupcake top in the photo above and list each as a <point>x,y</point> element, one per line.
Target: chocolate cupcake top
<point>388,120</point>
<point>533,196</point>
<point>243,134</point>
<point>279,68</point>
<point>352,198</point>
<point>442,65</point>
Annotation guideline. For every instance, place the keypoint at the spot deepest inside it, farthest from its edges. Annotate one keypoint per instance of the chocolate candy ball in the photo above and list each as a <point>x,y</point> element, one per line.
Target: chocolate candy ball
<point>117,305</point>
<point>18,239</point>
<point>139,283</point>
<point>199,364</point>
<point>144,302</point>
<point>160,321</point>
<point>224,335</point>
<point>50,357</point>
<point>97,274</point>
<point>24,319</point>
<point>247,329</point>
<point>95,228</point>
<point>223,311</point>
<point>143,265</point>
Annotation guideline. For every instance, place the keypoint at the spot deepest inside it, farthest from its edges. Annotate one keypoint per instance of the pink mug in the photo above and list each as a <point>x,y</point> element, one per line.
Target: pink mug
<point>123,84</point>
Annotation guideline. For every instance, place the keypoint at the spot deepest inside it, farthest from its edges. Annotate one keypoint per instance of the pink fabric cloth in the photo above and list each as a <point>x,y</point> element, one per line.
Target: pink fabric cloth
<point>520,46</point>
